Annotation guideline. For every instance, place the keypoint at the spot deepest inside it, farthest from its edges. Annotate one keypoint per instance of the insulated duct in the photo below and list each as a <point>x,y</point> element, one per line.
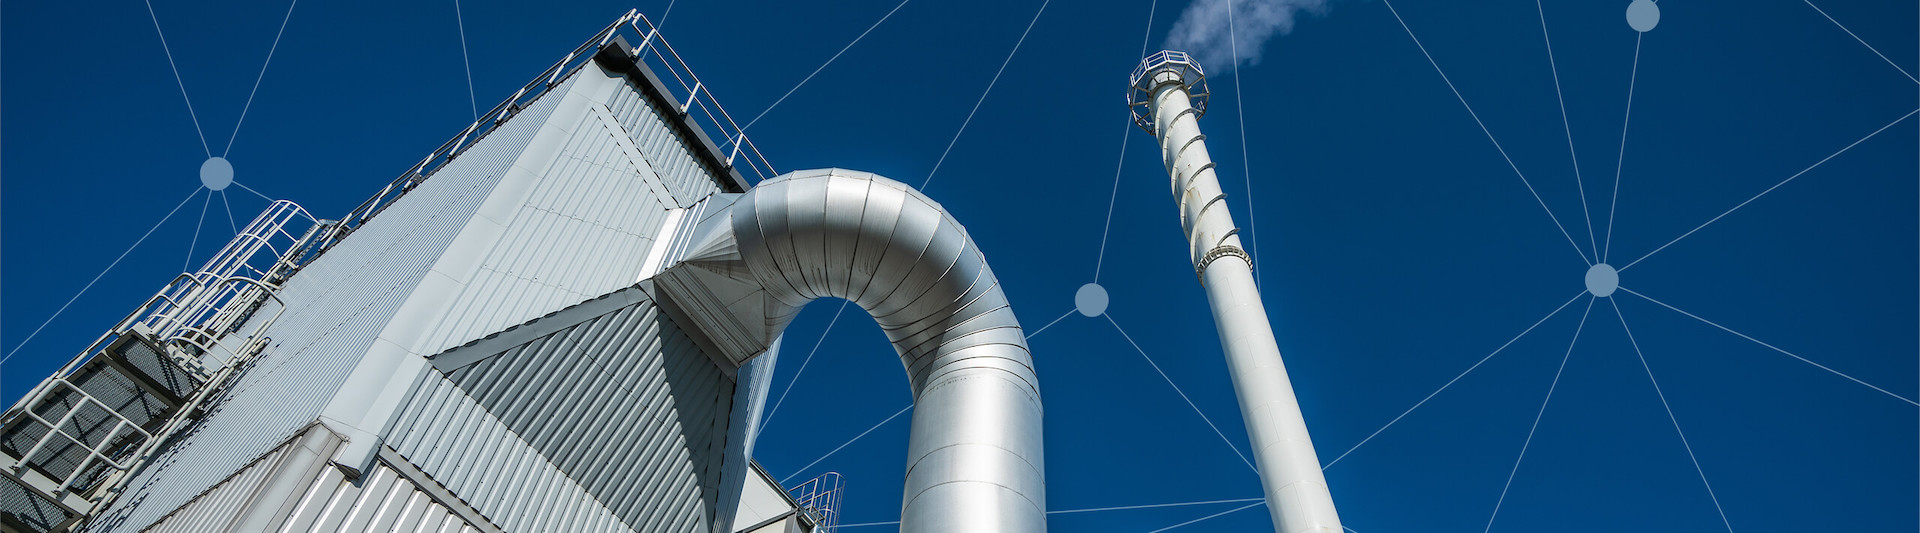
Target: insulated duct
<point>750,261</point>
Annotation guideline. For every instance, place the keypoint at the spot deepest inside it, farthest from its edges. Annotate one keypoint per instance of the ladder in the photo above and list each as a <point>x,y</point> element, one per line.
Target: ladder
<point>69,446</point>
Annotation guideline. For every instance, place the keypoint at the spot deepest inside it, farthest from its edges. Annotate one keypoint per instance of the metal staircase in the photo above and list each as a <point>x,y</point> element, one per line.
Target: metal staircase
<point>70,445</point>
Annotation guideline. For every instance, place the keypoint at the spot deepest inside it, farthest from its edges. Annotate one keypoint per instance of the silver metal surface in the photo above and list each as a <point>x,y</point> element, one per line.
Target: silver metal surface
<point>1296,492</point>
<point>605,404</point>
<point>335,307</point>
<point>557,195</point>
<point>974,459</point>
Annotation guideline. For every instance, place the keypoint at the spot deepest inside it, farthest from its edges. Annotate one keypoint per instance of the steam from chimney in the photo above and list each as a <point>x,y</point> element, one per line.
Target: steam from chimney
<point>1202,29</point>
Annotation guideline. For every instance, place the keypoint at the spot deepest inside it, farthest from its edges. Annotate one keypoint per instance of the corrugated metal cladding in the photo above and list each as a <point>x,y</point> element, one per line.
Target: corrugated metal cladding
<point>592,215</point>
<point>293,490</point>
<point>558,204</point>
<point>607,422</point>
<point>665,150</point>
<point>335,308</point>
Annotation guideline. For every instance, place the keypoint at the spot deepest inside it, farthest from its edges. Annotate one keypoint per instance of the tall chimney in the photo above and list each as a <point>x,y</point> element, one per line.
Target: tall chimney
<point>1167,97</point>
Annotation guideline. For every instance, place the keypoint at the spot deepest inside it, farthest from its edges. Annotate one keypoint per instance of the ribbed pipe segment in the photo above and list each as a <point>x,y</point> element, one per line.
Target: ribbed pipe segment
<point>974,455</point>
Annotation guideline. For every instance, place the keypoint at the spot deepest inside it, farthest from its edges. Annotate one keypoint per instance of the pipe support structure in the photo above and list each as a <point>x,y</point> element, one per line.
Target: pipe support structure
<point>1296,491</point>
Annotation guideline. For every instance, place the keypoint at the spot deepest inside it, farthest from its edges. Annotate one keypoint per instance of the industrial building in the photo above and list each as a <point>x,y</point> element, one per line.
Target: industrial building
<point>480,347</point>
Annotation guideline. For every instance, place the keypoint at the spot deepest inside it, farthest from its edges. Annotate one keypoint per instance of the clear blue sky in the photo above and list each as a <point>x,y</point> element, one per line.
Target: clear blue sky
<point>1397,246</point>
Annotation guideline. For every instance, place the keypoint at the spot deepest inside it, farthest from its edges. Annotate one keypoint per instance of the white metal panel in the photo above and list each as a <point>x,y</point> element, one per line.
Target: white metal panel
<point>386,500</point>
<point>760,500</point>
<point>585,226</point>
<point>336,305</point>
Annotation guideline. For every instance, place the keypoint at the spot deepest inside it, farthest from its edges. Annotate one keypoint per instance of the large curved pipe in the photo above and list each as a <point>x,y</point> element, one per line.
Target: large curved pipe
<point>974,454</point>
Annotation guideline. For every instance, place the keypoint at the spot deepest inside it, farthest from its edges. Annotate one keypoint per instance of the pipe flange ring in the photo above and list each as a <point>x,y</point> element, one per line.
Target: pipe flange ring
<point>1219,252</point>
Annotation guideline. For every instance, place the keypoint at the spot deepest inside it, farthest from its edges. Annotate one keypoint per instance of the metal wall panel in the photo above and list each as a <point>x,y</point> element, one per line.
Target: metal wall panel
<point>662,147</point>
<point>335,307</point>
<point>289,490</point>
<point>591,218</point>
<point>616,418</point>
<point>385,501</point>
<point>583,230</point>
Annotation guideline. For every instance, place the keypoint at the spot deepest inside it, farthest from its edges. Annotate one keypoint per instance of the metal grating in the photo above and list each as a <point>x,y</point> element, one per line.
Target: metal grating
<point>21,509</point>
<point>161,368</point>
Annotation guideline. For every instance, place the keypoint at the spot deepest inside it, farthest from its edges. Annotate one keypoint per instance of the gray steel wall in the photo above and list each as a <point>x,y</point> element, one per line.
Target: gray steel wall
<point>621,403</point>
<point>294,490</point>
<point>558,205</point>
<point>590,218</point>
<point>335,308</point>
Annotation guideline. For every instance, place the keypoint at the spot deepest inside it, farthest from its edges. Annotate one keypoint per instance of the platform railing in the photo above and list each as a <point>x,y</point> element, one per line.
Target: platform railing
<point>696,103</point>
<point>82,432</point>
<point>819,499</point>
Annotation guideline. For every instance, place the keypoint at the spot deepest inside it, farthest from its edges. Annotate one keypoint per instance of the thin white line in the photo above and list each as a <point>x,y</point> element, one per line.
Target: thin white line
<point>187,265</point>
<point>231,223</point>
<point>983,95</point>
<point>1539,415</point>
<point>1122,160</point>
<point>1863,42</point>
<point>176,79</point>
<point>1483,129</point>
<point>83,290</point>
<point>1212,516</point>
<point>803,366</point>
<point>269,199</point>
<point>665,14</point>
<point>1469,370</point>
<point>1770,189</point>
<point>1112,198</point>
<point>1757,341</point>
<point>256,81</point>
<point>1670,416</point>
<point>1183,394</point>
<point>1036,332</point>
<point>472,101</point>
<point>1620,163</point>
<point>823,66</point>
<point>837,449</point>
<point>1155,505</point>
<point>1568,124</point>
<point>1100,509</point>
<point>1246,167</point>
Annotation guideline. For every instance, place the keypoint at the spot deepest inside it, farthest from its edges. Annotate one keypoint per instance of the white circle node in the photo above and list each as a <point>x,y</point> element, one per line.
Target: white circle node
<point>1091,299</point>
<point>216,173</point>
<point>1643,15</point>
<point>1602,280</point>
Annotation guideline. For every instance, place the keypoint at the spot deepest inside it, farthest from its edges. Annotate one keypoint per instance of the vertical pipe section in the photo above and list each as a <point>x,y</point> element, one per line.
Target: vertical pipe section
<point>1296,491</point>
<point>974,455</point>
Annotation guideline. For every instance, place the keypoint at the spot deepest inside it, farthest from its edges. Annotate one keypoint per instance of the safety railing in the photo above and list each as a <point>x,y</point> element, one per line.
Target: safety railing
<point>819,499</point>
<point>696,103</point>
<point>1146,76</point>
<point>200,307</point>
<point>75,450</point>
<point>89,426</point>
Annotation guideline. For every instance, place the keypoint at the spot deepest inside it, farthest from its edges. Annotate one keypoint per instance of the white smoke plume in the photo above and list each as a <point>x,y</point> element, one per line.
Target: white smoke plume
<point>1202,29</point>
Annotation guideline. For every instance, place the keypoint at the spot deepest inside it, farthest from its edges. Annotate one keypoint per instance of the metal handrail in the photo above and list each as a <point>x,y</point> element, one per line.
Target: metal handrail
<point>653,50</point>
<point>58,429</point>
<point>819,499</point>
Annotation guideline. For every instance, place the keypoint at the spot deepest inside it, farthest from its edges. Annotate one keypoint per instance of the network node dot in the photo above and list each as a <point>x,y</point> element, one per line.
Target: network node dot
<point>1091,299</point>
<point>216,173</point>
<point>1643,15</point>
<point>1602,280</point>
